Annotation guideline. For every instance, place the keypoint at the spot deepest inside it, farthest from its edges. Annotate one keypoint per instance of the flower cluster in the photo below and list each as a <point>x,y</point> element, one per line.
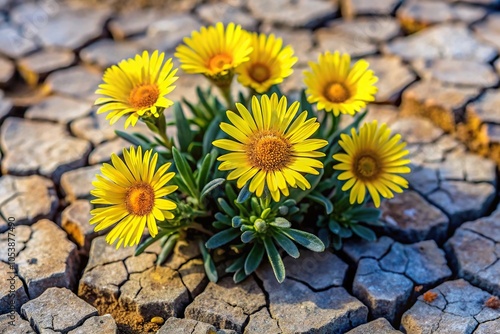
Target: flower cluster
<point>250,168</point>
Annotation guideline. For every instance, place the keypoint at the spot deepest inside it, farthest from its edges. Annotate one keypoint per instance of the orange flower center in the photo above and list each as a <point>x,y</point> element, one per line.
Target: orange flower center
<point>140,199</point>
<point>269,151</point>
<point>144,96</point>
<point>259,72</point>
<point>366,166</point>
<point>336,92</point>
<point>217,62</point>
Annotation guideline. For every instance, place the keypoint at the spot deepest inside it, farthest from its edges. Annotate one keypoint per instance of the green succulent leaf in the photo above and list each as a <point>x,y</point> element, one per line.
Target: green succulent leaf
<point>184,133</point>
<point>254,258</point>
<point>308,240</point>
<point>364,232</point>
<point>210,186</point>
<point>275,259</point>
<point>244,194</point>
<point>208,263</point>
<point>287,244</point>
<point>222,238</point>
<point>167,248</point>
<point>320,199</point>
<point>247,236</point>
<point>281,222</point>
<point>365,214</point>
<point>185,172</point>
<point>236,265</point>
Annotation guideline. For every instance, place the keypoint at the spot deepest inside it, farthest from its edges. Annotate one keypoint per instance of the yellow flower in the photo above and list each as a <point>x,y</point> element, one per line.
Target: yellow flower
<point>269,63</point>
<point>339,87</point>
<point>214,51</point>
<point>372,160</point>
<point>137,87</point>
<point>272,149</point>
<point>132,194</point>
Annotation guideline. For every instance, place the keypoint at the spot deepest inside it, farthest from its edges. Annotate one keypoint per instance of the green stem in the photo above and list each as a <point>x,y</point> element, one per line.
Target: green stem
<point>226,93</point>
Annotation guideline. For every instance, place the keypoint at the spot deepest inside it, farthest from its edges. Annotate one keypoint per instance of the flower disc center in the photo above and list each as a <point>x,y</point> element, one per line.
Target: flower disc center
<point>259,72</point>
<point>366,167</point>
<point>217,62</point>
<point>337,93</point>
<point>140,199</point>
<point>144,96</point>
<point>269,151</point>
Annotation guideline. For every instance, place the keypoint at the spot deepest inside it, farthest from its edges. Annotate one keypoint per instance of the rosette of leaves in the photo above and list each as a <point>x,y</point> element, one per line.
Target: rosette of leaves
<point>255,227</point>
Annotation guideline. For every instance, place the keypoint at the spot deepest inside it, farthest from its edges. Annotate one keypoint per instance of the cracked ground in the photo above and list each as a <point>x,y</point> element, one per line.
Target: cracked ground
<point>435,267</point>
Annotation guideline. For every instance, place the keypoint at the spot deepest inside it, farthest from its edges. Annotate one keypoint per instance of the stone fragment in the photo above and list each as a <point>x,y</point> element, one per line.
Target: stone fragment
<point>155,292</point>
<point>75,221</point>
<point>418,15</point>
<point>134,22</point>
<point>77,81</point>
<point>393,77</point>
<point>457,72</point>
<point>484,109</point>
<point>193,276</point>
<point>44,263</point>
<point>329,39</point>
<point>489,30</point>
<point>101,284</point>
<point>356,249</point>
<point>36,66</point>
<point>46,148</point>
<point>57,309</point>
<point>415,130</point>
<point>226,13</point>
<point>59,109</point>
<point>384,292</point>
<point>475,250</point>
<point>167,33</point>
<point>102,153</point>
<point>422,179</point>
<point>374,29</point>
<point>435,42</point>
<point>27,199</point>
<point>20,326</point>
<point>100,324</point>
<point>227,305</point>
<point>379,326</point>
<point>73,28</point>
<point>301,310</point>
<point>77,183</point>
<point>367,7</point>
<point>463,201</point>
<point>443,105</point>
<point>107,52</point>
<point>409,218</point>
<point>384,281</point>
<point>22,235</point>
<point>295,14</point>
<point>459,308</point>
<point>140,263</point>
<point>186,326</point>
<point>308,266</point>
<point>13,44</point>
<point>5,106</point>
<point>261,322</point>
<point>488,327</point>
<point>7,71</point>
<point>12,293</point>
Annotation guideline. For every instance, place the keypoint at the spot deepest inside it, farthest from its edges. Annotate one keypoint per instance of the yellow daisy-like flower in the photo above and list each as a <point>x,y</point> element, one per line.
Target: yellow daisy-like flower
<point>269,63</point>
<point>132,193</point>
<point>339,87</point>
<point>372,160</point>
<point>214,51</point>
<point>272,149</point>
<point>137,87</point>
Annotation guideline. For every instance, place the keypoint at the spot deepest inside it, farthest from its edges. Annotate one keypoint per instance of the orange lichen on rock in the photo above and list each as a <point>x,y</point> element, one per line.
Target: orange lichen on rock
<point>493,302</point>
<point>430,296</point>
